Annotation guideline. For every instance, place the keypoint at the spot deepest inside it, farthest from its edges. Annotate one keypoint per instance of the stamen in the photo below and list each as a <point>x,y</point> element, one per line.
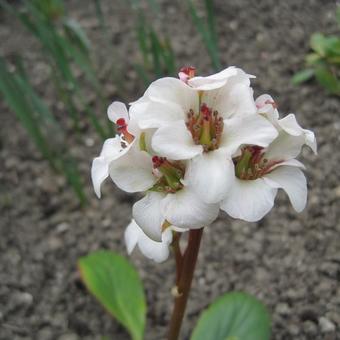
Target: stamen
<point>189,71</point>
<point>252,165</point>
<point>122,128</point>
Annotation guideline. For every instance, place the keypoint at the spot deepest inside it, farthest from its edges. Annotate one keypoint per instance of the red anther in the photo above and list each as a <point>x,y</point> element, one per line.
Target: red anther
<point>188,70</point>
<point>121,122</point>
<point>271,102</point>
<point>157,161</point>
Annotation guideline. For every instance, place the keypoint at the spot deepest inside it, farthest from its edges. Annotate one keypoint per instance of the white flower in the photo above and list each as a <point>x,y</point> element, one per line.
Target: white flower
<point>204,121</point>
<point>251,198</point>
<point>288,127</point>
<point>114,148</point>
<point>168,200</point>
<point>260,172</point>
<point>157,251</point>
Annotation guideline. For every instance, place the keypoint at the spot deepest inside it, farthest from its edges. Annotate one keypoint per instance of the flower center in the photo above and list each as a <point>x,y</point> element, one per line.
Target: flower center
<point>252,163</point>
<point>122,129</point>
<point>169,173</point>
<point>206,127</point>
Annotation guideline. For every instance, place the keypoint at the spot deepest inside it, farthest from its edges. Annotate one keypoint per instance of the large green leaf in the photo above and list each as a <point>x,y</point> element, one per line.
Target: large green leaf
<point>116,284</point>
<point>234,316</point>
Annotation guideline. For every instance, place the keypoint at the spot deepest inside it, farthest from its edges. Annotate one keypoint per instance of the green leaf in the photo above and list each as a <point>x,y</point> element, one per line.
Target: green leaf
<point>302,76</point>
<point>234,316</point>
<point>327,79</point>
<point>117,286</point>
<point>318,43</point>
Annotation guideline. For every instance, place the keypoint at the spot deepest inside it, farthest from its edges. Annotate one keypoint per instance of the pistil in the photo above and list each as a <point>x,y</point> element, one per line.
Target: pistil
<point>206,127</point>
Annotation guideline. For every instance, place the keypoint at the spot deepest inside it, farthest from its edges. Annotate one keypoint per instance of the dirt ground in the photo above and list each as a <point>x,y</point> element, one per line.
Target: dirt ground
<point>290,261</point>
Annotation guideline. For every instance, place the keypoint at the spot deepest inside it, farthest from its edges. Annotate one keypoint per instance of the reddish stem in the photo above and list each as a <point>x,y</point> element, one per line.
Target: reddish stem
<point>184,282</point>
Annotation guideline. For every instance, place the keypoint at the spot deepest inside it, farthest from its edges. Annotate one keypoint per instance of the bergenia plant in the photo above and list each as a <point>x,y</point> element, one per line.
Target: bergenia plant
<point>197,145</point>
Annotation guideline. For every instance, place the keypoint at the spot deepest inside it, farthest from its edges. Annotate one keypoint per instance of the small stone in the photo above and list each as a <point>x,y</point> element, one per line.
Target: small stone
<point>89,142</point>
<point>309,328</point>
<point>293,329</point>
<point>282,309</point>
<point>54,243</point>
<point>23,299</point>
<point>337,191</point>
<point>326,325</point>
<point>62,227</point>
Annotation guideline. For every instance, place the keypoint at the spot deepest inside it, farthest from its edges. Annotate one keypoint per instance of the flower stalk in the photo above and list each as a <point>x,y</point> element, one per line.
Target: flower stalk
<point>188,264</point>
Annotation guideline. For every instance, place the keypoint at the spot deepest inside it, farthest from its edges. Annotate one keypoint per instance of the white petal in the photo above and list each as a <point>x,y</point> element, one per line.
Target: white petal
<point>210,175</point>
<point>310,140</point>
<point>185,210</point>
<point>116,111</point>
<point>131,236</point>
<point>219,79</point>
<point>133,171</point>
<point>157,251</point>
<point>155,114</point>
<point>175,141</point>
<point>147,214</point>
<point>99,172</point>
<point>293,181</point>
<point>173,90</point>
<point>249,200</point>
<point>111,150</point>
<point>290,162</point>
<point>265,106</point>
<point>252,130</point>
<point>285,147</point>
<point>290,125</point>
<point>231,100</point>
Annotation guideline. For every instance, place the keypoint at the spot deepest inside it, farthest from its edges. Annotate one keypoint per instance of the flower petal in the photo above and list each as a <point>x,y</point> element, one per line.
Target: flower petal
<point>147,214</point>
<point>173,90</point>
<point>290,125</point>
<point>219,79</point>
<point>284,147</point>
<point>116,111</point>
<point>213,81</point>
<point>157,251</point>
<point>99,172</point>
<point>133,171</point>
<point>155,114</point>
<point>231,100</point>
<point>175,141</point>
<point>249,200</point>
<point>266,106</point>
<point>111,150</point>
<point>185,210</point>
<point>210,175</point>
<point>293,181</point>
<point>253,130</point>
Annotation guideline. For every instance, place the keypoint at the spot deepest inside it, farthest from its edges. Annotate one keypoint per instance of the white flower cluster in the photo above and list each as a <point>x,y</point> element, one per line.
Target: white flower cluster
<point>196,145</point>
